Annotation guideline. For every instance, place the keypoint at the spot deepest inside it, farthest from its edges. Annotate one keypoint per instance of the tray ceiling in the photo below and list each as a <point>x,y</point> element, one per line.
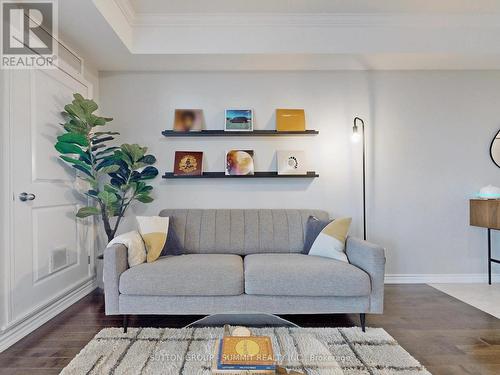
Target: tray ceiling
<point>283,35</point>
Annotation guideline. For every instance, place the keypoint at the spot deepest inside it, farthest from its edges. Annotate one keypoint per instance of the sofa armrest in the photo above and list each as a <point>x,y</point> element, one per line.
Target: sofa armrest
<point>371,259</point>
<point>115,263</point>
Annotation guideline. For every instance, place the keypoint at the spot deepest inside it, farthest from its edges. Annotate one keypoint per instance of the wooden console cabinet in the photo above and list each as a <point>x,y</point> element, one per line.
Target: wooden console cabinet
<point>486,214</point>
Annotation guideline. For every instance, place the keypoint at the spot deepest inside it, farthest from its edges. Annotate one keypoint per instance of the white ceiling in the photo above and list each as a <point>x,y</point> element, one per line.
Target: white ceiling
<point>315,6</point>
<point>283,35</point>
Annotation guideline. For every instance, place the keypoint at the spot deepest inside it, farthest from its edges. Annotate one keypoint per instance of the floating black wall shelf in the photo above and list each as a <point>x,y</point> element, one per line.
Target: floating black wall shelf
<point>222,133</point>
<point>170,175</point>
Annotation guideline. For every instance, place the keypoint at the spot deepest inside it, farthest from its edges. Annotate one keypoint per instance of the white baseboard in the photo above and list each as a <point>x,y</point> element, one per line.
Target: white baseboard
<point>11,335</point>
<point>429,278</point>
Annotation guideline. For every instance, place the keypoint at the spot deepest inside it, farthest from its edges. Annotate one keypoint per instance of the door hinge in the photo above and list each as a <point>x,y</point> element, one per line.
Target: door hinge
<point>88,259</point>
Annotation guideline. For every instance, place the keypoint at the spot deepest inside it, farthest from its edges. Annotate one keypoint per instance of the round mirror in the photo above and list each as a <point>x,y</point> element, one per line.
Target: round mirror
<point>495,149</point>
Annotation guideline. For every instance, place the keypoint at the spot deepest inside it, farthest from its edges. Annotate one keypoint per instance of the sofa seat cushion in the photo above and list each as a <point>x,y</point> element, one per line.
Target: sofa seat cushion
<point>186,275</point>
<point>303,275</point>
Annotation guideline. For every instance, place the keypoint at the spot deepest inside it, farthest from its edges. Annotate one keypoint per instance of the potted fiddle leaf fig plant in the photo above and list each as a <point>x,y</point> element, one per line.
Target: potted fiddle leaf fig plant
<point>117,175</point>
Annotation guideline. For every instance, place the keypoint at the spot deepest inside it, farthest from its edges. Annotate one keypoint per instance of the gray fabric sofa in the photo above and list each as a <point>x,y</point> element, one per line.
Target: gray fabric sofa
<point>245,261</point>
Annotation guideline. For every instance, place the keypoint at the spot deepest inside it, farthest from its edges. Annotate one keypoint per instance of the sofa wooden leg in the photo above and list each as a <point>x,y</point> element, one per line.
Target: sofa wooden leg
<point>125,323</point>
<point>362,319</point>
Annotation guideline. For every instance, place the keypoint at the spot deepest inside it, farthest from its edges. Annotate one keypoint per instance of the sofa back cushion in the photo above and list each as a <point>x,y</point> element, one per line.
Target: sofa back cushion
<point>240,231</point>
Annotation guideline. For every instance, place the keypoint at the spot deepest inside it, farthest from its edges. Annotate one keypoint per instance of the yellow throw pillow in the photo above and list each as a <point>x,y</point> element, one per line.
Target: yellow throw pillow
<point>153,230</point>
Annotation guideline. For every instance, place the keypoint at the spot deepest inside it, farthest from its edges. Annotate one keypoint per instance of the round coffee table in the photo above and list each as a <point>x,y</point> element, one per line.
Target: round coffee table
<point>238,319</point>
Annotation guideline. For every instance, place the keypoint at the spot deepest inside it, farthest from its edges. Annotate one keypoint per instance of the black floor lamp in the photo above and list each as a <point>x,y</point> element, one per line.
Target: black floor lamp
<point>356,135</point>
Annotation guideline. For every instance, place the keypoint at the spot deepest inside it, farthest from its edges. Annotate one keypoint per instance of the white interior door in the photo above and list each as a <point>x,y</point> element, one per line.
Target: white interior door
<point>51,248</point>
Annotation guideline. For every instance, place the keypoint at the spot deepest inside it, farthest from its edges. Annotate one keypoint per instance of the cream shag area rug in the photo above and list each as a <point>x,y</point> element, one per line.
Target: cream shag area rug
<point>189,351</point>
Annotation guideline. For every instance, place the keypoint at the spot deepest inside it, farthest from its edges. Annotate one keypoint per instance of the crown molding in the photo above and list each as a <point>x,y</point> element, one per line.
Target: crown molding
<point>385,20</point>
<point>314,20</point>
<point>127,10</point>
<point>258,20</point>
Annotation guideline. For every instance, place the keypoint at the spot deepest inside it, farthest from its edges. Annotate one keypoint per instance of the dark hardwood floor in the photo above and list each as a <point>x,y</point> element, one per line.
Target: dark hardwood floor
<point>444,334</point>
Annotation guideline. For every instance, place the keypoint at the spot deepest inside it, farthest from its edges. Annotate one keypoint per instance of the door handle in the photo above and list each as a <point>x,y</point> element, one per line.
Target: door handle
<point>26,197</point>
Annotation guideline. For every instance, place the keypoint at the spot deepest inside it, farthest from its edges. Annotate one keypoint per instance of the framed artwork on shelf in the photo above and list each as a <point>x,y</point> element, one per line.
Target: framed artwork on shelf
<point>290,120</point>
<point>239,163</point>
<point>188,120</point>
<point>291,162</point>
<point>188,163</point>
<point>238,120</point>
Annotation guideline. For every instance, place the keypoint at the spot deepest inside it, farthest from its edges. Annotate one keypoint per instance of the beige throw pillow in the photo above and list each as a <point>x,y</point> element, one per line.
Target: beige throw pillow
<point>154,230</point>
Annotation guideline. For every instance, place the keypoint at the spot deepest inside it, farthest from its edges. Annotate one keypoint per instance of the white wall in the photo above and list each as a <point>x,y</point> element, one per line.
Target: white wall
<point>429,134</point>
